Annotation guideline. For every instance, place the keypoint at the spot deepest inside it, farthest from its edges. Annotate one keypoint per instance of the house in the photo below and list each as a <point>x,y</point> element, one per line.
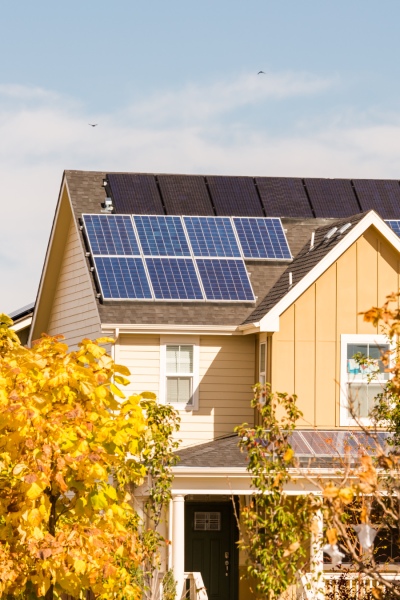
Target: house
<point>22,320</point>
<point>217,283</point>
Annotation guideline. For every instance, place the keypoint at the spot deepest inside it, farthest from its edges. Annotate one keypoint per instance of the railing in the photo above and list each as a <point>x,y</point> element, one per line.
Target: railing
<point>357,585</point>
<point>193,587</point>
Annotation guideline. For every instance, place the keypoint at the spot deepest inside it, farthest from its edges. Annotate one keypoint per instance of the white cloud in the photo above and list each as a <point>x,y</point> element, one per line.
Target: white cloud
<point>175,132</point>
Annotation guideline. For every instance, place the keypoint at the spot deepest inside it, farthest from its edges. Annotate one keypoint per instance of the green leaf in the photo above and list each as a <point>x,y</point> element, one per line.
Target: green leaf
<point>98,500</point>
<point>111,492</point>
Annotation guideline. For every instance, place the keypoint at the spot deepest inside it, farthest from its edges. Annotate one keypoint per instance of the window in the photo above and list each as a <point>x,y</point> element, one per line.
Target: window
<point>262,371</point>
<point>360,384</point>
<point>179,372</point>
<point>207,521</point>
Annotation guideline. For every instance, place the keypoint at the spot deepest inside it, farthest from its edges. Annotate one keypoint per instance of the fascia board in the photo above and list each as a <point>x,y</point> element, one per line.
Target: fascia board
<point>22,324</point>
<point>270,322</point>
<point>126,328</point>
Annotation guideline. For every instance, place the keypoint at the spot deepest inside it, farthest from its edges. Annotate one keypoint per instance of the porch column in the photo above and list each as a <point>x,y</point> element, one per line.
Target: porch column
<point>317,558</point>
<point>178,541</point>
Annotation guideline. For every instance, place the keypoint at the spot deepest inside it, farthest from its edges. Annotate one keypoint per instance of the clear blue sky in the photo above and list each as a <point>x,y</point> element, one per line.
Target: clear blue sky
<point>174,88</point>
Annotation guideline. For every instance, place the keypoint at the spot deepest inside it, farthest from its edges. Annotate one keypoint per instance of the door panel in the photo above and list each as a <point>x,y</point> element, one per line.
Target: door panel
<point>205,549</point>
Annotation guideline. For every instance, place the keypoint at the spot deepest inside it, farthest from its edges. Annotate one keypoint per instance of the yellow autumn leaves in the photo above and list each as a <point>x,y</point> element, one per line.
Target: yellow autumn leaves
<point>66,519</point>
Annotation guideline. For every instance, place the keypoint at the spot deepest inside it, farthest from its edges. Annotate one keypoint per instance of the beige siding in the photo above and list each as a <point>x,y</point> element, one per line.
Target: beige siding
<point>306,350</point>
<point>226,376</point>
<point>74,312</point>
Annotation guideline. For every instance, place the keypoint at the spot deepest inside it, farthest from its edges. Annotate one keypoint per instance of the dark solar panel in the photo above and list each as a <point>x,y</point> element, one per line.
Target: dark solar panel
<point>162,236</point>
<point>212,236</point>
<point>235,196</point>
<point>185,195</point>
<point>262,238</point>
<point>381,195</point>
<point>225,280</point>
<point>135,194</point>
<point>395,225</point>
<point>298,444</point>
<point>111,235</point>
<point>174,279</point>
<point>284,197</point>
<point>332,198</point>
<point>122,278</point>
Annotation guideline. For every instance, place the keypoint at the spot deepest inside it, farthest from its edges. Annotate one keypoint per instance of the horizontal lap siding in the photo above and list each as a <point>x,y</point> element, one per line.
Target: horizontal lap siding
<point>141,354</point>
<point>74,313</point>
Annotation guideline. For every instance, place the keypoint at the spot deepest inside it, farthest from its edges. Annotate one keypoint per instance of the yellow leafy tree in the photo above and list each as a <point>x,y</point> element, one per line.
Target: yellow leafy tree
<point>67,451</point>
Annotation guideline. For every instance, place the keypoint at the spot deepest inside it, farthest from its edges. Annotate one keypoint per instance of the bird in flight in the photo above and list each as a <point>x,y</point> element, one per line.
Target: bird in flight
<point>95,125</point>
<point>259,72</point>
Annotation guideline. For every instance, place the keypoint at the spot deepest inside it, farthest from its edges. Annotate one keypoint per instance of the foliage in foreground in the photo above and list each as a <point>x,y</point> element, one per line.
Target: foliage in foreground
<point>68,450</point>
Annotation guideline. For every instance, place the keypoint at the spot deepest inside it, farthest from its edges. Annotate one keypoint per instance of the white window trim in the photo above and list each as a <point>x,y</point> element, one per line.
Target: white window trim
<point>345,339</point>
<point>182,340</point>
<point>262,373</point>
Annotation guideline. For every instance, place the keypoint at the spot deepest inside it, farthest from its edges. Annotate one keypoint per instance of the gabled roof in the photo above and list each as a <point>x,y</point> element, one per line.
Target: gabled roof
<point>310,263</point>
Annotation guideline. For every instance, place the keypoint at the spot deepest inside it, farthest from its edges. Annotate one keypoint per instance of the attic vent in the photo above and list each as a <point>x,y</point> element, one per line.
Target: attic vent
<point>108,205</point>
<point>207,521</point>
<point>330,233</point>
<point>344,228</point>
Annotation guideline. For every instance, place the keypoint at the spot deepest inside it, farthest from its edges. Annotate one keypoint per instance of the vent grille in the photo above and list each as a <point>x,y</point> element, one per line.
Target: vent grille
<point>207,521</point>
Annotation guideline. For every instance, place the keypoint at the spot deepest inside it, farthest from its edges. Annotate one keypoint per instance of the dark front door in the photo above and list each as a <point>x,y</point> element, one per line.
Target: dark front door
<point>210,534</point>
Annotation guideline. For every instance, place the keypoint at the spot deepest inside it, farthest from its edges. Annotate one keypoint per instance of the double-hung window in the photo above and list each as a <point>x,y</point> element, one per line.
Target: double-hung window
<point>179,373</point>
<point>361,380</point>
<point>263,368</point>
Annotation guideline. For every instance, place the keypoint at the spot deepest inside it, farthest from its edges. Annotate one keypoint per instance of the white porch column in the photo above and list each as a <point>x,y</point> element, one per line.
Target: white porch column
<point>317,558</point>
<point>178,541</point>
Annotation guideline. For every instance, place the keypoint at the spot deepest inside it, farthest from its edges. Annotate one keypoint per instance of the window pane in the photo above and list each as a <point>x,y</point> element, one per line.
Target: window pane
<point>185,364</point>
<point>373,351</point>
<point>376,352</point>
<point>179,390</point>
<point>363,397</point>
<point>262,379</point>
<point>353,368</point>
<point>262,358</point>
<point>172,359</point>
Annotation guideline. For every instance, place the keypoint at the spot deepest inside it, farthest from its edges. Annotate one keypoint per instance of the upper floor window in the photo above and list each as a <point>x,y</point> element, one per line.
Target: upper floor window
<point>361,380</point>
<point>263,368</point>
<point>179,371</point>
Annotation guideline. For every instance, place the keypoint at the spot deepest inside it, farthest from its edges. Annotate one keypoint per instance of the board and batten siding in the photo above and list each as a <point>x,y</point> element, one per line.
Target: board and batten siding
<point>74,313</point>
<point>225,380</point>
<point>305,353</point>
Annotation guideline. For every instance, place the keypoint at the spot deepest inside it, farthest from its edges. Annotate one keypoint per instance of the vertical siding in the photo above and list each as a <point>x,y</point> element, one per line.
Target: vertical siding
<point>306,350</point>
<point>74,312</point>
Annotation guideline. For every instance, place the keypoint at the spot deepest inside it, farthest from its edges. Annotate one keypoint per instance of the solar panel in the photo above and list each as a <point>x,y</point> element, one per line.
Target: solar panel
<point>161,236</point>
<point>284,197</point>
<point>395,225</point>
<point>135,194</point>
<point>122,278</point>
<point>380,195</point>
<point>174,279</point>
<point>235,196</point>
<point>212,236</point>
<point>262,238</point>
<point>185,195</point>
<point>332,198</point>
<point>111,235</point>
<point>225,279</point>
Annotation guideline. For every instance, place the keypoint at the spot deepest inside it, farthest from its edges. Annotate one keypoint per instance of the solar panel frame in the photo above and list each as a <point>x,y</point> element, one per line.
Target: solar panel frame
<point>381,195</point>
<point>284,197</point>
<point>135,193</point>
<point>159,283</point>
<point>244,228</point>
<point>221,268</point>
<point>198,242</point>
<point>149,237</point>
<point>185,195</point>
<point>235,196</point>
<point>332,198</point>
<point>127,271</point>
<point>103,230</point>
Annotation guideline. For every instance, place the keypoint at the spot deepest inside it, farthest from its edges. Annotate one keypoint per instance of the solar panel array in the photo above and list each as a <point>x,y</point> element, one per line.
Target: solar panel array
<point>262,238</point>
<point>185,195</point>
<point>332,198</point>
<point>383,196</point>
<point>161,236</point>
<point>114,236</point>
<point>335,443</point>
<point>395,225</point>
<point>235,196</point>
<point>135,194</point>
<point>213,237</point>
<point>284,197</point>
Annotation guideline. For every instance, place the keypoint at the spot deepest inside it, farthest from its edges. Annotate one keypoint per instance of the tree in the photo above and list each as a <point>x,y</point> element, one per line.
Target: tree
<point>68,451</point>
<point>360,504</point>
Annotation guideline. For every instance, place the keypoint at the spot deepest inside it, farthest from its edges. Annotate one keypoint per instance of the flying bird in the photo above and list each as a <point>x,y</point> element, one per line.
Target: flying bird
<point>95,125</point>
<point>259,72</point>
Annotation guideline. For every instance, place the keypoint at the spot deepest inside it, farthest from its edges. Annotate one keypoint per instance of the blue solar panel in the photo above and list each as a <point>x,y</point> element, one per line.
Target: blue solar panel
<point>122,278</point>
<point>262,238</point>
<point>161,236</point>
<point>212,236</point>
<point>395,225</point>
<point>174,279</point>
<point>225,279</point>
<point>111,235</point>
